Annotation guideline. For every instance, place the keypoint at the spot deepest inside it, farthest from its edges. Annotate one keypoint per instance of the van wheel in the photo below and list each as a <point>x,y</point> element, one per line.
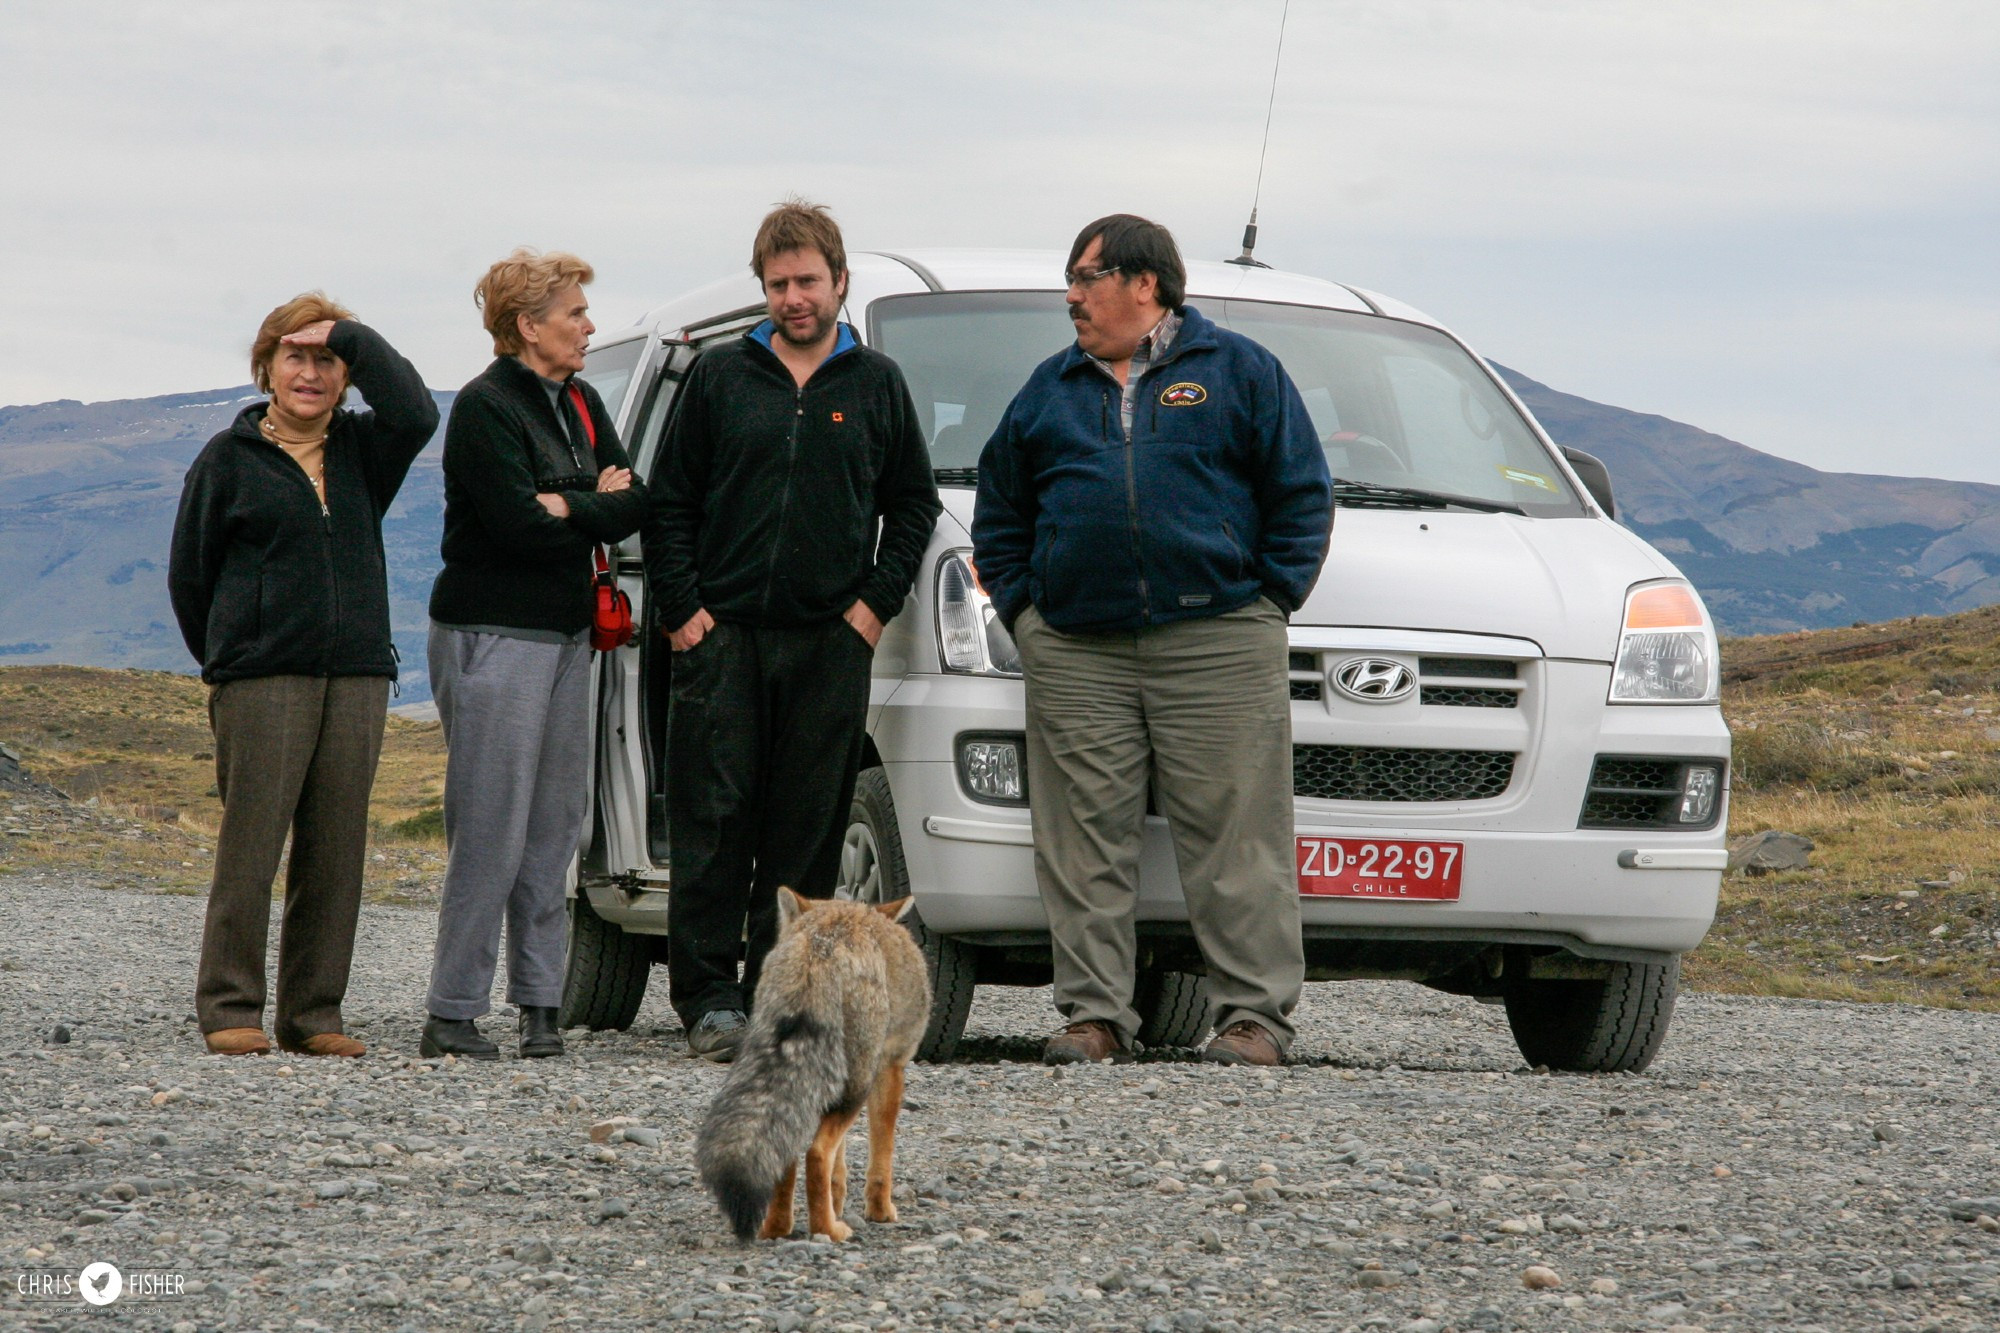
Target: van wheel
<point>1173,1008</point>
<point>1595,1027</point>
<point>872,871</point>
<point>604,979</point>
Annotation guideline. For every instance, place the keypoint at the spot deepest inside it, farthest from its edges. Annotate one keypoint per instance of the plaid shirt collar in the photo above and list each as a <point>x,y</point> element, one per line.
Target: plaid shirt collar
<point>1153,347</point>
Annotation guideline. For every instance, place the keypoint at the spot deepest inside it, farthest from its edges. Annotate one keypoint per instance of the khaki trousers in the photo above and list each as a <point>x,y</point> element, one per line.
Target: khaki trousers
<point>293,755</point>
<point>1202,710</point>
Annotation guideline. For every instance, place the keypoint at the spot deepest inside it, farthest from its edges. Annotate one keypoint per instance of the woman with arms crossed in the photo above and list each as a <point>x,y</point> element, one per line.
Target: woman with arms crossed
<point>280,588</point>
<point>534,478</point>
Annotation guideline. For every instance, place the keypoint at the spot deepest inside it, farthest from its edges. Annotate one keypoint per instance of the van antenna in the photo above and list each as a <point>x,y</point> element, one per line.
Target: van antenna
<point>1247,259</point>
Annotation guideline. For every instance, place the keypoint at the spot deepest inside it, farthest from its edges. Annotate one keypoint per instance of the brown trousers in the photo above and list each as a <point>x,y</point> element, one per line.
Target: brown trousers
<point>297,755</point>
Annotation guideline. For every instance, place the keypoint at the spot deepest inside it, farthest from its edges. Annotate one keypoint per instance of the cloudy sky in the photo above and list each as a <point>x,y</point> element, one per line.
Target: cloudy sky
<point>1776,221</point>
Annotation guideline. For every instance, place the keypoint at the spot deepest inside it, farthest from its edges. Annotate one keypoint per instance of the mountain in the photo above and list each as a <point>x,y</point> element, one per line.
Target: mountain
<point>88,492</point>
<point>87,499</point>
<point>1775,545</point>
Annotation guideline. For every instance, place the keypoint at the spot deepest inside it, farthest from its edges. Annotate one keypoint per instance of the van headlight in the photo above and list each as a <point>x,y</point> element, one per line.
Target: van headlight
<point>1666,650</point>
<point>971,638</point>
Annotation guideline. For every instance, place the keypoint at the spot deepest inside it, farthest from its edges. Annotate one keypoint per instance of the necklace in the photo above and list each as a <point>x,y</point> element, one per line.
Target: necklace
<point>308,451</point>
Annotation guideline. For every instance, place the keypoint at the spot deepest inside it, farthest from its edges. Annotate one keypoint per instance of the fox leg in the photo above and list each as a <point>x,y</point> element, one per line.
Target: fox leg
<point>778,1219</point>
<point>837,1181</point>
<point>821,1215</point>
<point>885,1102</point>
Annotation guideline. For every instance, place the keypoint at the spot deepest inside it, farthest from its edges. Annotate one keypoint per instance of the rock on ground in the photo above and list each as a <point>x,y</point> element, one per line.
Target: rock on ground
<point>1784,1165</point>
<point>1771,850</point>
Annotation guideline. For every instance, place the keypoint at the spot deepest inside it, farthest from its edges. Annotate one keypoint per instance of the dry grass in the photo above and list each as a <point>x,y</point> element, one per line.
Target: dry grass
<point>138,743</point>
<point>1881,743</point>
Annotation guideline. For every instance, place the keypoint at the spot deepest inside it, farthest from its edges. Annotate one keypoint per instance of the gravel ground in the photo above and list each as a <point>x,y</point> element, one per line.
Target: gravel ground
<point>1784,1165</point>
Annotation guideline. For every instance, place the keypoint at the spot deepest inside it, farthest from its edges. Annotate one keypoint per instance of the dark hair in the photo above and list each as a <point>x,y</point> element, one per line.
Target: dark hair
<point>1132,245</point>
<point>798,225</point>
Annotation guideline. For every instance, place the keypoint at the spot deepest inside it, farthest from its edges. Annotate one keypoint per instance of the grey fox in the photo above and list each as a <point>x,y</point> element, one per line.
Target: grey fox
<point>838,1012</point>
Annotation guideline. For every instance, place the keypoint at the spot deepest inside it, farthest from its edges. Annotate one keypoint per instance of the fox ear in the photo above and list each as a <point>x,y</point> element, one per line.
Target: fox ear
<point>897,910</point>
<point>790,907</point>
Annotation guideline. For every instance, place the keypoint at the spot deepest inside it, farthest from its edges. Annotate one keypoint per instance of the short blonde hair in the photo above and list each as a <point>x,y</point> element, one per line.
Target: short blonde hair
<point>293,315</point>
<point>526,282</point>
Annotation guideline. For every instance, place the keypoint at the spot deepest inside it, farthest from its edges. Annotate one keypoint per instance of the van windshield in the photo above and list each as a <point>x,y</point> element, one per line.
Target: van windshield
<point>1395,404</point>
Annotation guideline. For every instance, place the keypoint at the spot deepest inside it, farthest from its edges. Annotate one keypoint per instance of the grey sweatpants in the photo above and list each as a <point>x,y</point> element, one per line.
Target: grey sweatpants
<point>1202,709</point>
<point>516,717</point>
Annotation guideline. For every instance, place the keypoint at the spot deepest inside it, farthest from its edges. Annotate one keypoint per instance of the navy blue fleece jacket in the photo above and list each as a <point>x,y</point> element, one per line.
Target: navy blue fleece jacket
<point>1220,496</point>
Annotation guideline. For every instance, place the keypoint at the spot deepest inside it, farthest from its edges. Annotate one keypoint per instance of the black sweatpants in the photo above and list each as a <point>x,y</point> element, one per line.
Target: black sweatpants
<point>763,739</point>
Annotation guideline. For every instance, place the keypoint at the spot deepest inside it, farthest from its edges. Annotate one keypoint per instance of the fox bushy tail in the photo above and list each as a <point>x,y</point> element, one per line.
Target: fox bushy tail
<point>788,1073</point>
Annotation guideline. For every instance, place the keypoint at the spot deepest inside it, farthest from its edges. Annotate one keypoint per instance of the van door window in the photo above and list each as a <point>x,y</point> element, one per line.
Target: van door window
<point>644,446</point>
<point>609,371</point>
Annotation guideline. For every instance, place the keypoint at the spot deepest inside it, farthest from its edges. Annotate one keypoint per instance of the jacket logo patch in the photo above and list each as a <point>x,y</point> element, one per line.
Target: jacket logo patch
<point>1183,394</point>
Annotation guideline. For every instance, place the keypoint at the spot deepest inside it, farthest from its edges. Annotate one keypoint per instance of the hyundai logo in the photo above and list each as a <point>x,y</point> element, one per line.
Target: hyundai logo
<point>1374,680</point>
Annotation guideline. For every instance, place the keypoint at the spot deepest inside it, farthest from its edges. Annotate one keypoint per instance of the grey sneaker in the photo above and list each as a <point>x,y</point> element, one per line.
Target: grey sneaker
<point>716,1035</point>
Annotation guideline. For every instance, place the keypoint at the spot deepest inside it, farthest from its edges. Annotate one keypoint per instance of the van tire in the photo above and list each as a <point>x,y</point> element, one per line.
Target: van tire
<point>604,978</point>
<point>872,871</point>
<point>1595,1027</point>
<point>1173,1008</point>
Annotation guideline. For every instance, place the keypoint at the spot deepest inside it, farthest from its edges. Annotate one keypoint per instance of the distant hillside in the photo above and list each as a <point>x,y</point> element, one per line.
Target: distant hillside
<point>87,499</point>
<point>1775,545</point>
<point>88,491</point>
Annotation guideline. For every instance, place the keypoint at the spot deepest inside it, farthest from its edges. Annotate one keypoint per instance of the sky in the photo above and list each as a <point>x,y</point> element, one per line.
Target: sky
<point>1775,221</point>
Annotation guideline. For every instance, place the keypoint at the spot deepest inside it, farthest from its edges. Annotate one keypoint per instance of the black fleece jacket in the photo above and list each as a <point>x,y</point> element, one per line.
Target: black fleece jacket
<point>265,584</point>
<point>767,495</point>
<point>507,560</point>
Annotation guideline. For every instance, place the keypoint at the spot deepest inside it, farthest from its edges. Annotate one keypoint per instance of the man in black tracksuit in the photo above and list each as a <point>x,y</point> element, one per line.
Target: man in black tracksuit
<point>792,503</point>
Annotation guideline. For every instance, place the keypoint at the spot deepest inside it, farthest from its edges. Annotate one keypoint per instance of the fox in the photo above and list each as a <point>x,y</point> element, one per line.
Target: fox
<point>838,1013</point>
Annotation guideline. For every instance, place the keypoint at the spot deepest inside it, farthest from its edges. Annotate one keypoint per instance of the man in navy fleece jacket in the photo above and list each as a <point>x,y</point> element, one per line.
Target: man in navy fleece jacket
<point>1153,506</point>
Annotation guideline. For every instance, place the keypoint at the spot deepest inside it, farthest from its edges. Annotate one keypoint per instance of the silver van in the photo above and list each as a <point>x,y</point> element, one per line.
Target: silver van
<point>1510,768</point>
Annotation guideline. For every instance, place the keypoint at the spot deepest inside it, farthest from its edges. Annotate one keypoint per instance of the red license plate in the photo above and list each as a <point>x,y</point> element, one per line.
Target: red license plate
<point>1392,868</point>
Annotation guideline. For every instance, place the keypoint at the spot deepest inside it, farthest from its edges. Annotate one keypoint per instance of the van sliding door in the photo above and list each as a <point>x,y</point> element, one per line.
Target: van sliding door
<point>626,761</point>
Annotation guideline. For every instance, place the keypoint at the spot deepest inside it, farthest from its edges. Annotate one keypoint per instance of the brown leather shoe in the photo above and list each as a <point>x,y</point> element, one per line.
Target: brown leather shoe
<point>1085,1043</point>
<point>326,1043</point>
<point>237,1041</point>
<point>1244,1042</point>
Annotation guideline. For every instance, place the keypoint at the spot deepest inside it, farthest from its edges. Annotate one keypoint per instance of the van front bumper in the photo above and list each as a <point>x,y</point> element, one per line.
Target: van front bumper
<point>971,868</point>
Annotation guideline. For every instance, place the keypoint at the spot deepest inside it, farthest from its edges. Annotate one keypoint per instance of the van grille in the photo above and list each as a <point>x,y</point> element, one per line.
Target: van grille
<point>1628,792</point>
<point>1380,773</point>
<point>1447,682</point>
<point>1468,696</point>
<point>1484,668</point>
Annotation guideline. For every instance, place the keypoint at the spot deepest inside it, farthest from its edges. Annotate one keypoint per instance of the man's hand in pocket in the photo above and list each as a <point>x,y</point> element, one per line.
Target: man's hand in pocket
<point>864,622</point>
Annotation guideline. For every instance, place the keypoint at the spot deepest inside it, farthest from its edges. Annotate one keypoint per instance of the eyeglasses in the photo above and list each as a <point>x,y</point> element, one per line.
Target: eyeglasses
<point>1084,277</point>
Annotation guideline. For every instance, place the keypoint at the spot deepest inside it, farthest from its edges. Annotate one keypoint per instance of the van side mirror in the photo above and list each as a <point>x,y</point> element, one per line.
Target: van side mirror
<point>1596,478</point>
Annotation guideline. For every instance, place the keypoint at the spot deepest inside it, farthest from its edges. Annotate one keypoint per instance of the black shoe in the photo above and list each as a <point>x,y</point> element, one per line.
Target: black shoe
<point>455,1036</point>
<point>539,1034</point>
<point>717,1034</point>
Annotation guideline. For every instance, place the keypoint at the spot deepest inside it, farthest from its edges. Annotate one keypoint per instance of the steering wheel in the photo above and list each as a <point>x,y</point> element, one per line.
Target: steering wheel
<point>1366,449</point>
